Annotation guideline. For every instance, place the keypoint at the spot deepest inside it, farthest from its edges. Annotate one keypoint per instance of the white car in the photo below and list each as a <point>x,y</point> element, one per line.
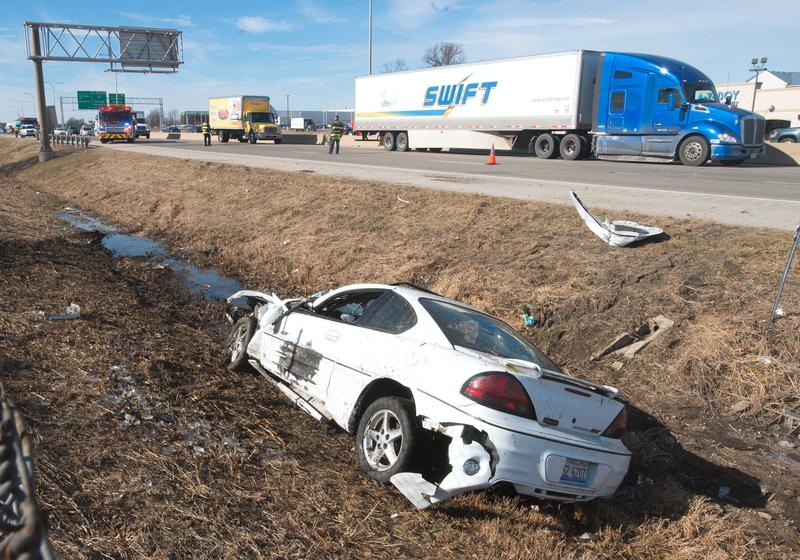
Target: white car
<point>60,131</point>
<point>422,380</point>
<point>27,131</point>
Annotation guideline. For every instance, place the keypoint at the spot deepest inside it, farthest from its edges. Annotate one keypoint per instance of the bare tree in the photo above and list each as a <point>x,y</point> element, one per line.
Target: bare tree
<point>444,53</point>
<point>397,65</point>
<point>152,119</point>
<point>172,117</point>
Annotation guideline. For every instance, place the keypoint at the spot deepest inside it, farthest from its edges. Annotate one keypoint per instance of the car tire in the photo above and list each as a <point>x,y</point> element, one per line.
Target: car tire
<point>572,147</point>
<point>402,141</point>
<point>388,142</point>
<point>387,414</point>
<point>251,138</point>
<point>546,146</point>
<point>731,162</point>
<point>693,151</point>
<point>238,339</point>
<point>148,137</point>
<point>787,141</point>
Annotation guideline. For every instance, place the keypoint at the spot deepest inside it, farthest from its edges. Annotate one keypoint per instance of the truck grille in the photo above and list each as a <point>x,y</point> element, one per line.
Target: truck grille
<point>753,131</point>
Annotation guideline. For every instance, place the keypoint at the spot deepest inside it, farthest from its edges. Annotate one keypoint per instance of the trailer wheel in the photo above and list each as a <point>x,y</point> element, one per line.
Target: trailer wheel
<point>277,140</point>
<point>572,147</point>
<point>388,141</point>
<point>223,136</point>
<point>435,150</point>
<point>402,141</point>
<point>251,138</point>
<point>693,151</point>
<point>546,146</point>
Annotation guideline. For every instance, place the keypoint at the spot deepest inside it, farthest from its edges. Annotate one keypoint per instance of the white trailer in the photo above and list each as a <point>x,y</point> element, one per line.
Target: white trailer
<point>472,106</point>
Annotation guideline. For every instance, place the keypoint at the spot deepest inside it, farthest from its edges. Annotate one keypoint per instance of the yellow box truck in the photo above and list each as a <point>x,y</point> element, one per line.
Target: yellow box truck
<point>246,118</point>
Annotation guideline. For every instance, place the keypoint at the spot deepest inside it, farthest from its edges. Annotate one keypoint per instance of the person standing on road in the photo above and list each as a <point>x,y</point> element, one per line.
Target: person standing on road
<point>206,130</point>
<point>16,132</point>
<point>336,135</point>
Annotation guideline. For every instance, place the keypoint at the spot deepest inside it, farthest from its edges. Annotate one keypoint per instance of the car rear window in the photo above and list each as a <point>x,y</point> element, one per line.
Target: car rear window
<point>477,331</point>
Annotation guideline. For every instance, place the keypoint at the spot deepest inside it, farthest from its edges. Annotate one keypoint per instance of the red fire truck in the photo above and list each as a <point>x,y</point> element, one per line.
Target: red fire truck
<point>115,122</point>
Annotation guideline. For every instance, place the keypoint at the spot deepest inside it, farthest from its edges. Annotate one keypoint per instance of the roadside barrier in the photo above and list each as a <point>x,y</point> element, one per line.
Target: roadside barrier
<point>78,141</point>
<point>22,524</point>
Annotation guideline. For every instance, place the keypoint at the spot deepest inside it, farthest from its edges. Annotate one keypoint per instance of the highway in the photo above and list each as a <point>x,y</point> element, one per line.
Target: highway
<point>752,195</point>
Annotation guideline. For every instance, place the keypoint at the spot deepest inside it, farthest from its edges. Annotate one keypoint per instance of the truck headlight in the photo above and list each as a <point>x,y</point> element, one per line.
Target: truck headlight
<point>727,138</point>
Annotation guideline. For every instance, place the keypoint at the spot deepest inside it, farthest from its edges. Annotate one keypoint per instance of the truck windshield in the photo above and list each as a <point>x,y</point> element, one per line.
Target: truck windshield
<point>115,116</point>
<point>477,331</point>
<point>702,92</point>
<point>262,117</point>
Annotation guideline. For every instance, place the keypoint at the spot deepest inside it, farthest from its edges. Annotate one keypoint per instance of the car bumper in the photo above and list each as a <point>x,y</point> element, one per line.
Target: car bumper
<point>268,136</point>
<point>736,152</point>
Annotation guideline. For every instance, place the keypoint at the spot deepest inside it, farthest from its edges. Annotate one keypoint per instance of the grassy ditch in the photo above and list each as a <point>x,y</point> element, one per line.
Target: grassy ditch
<point>702,394</point>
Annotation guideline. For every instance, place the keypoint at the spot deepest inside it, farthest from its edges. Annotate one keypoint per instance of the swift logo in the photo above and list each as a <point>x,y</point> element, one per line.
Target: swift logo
<point>457,94</point>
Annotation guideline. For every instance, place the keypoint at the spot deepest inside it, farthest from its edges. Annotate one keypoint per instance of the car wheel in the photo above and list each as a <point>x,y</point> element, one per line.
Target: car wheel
<point>388,142</point>
<point>731,162</point>
<point>241,333</point>
<point>252,138</point>
<point>386,438</point>
<point>571,147</point>
<point>787,141</point>
<point>402,141</point>
<point>693,151</point>
<point>546,146</point>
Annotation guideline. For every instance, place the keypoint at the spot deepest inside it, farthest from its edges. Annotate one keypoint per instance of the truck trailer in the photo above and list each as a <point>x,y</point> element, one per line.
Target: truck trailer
<point>246,118</point>
<point>571,104</point>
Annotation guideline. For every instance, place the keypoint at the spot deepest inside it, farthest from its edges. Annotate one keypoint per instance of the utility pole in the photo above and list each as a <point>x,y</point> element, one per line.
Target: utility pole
<point>757,68</point>
<point>370,37</point>
<point>45,152</point>
<point>288,118</point>
<point>54,97</point>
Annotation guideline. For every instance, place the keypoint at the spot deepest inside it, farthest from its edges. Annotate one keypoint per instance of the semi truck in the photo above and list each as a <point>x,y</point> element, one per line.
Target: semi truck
<point>115,122</point>
<point>573,104</point>
<point>246,118</point>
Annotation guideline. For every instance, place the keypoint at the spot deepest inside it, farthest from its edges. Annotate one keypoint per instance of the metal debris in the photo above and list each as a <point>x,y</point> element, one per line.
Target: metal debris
<point>785,275</point>
<point>73,311</point>
<point>617,233</point>
<point>629,344</point>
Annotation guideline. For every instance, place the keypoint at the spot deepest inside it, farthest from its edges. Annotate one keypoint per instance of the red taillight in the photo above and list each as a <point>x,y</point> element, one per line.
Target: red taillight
<point>618,426</point>
<point>500,391</point>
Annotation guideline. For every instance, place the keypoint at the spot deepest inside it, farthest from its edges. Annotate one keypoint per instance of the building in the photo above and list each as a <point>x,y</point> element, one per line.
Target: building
<point>777,97</point>
<point>193,117</point>
<point>319,117</point>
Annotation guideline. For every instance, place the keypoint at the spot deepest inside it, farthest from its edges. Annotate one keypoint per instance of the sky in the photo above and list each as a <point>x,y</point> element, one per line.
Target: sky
<point>312,49</point>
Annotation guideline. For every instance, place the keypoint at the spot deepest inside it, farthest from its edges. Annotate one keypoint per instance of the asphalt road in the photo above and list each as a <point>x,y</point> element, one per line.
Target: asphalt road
<point>765,196</point>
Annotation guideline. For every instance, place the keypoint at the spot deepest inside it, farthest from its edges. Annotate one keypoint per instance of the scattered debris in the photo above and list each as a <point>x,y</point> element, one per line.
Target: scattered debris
<point>629,344</point>
<point>527,316</point>
<point>589,537</point>
<point>764,515</point>
<point>403,201</point>
<point>617,233</point>
<point>787,444</point>
<point>766,360</point>
<point>73,311</point>
<point>616,366</point>
<point>739,406</point>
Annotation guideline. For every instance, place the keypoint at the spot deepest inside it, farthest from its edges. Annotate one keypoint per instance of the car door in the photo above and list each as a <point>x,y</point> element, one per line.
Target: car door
<point>375,346</point>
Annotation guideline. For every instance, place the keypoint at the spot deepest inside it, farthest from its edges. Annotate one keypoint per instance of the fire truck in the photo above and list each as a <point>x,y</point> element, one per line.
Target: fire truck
<point>115,122</point>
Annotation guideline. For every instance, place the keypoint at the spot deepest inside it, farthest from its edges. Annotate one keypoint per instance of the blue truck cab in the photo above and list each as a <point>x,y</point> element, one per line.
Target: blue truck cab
<point>651,106</point>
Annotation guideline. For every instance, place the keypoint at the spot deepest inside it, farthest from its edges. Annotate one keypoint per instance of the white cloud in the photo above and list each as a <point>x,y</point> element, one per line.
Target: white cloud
<point>259,24</point>
<point>312,10</point>
<point>181,20</point>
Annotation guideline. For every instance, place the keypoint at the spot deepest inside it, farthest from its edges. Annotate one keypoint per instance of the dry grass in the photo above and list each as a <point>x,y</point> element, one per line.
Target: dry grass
<point>267,482</point>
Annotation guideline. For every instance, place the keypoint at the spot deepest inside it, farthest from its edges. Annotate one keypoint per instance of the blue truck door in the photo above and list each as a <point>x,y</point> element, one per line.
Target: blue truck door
<point>668,117</point>
<point>625,106</point>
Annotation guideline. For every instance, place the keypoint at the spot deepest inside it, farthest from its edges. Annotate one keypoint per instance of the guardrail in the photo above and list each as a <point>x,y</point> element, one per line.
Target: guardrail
<point>22,524</point>
<point>70,139</point>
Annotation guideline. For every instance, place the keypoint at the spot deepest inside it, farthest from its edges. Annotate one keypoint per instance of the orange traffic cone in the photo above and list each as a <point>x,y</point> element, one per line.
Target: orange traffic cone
<point>492,159</point>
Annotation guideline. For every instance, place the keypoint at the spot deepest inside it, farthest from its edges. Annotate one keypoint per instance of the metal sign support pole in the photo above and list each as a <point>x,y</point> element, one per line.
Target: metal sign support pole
<point>45,151</point>
<point>779,294</point>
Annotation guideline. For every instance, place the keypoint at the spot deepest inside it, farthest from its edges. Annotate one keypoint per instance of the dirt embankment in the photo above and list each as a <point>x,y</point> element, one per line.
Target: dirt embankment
<point>148,448</point>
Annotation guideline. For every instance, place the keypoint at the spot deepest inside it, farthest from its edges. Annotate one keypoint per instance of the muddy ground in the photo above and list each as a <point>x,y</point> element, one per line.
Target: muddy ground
<point>146,447</point>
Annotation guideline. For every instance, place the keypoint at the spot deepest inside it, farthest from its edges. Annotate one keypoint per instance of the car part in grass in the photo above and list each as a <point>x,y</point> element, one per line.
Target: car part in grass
<point>629,344</point>
<point>617,233</point>
<point>785,275</point>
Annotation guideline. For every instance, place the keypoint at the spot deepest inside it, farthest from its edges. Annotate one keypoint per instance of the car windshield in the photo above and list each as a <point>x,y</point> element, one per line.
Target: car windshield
<point>702,92</point>
<point>477,331</point>
<point>262,117</point>
<point>115,116</point>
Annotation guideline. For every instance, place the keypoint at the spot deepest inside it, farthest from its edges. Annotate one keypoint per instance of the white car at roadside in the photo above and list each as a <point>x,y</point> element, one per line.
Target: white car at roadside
<point>27,131</point>
<point>420,379</point>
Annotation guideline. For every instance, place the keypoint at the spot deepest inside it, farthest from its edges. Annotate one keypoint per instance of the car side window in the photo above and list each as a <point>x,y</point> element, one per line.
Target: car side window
<point>349,307</point>
<point>392,314</point>
<point>663,94</point>
<point>617,101</point>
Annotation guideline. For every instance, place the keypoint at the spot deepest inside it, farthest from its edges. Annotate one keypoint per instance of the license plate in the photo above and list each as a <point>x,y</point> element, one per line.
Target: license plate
<point>574,471</point>
<point>753,156</point>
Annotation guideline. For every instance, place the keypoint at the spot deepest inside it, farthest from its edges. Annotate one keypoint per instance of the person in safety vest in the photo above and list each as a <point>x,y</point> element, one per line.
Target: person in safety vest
<point>206,130</point>
<point>336,134</point>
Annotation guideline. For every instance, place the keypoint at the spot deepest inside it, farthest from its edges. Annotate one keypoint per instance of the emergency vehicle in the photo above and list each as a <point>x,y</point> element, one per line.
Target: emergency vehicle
<point>115,122</point>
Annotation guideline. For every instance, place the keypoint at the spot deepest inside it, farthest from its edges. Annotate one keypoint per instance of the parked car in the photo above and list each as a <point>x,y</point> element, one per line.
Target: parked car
<point>27,131</point>
<point>74,130</point>
<point>87,131</point>
<point>172,128</point>
<point>785,135</point>
<point>399,367</point>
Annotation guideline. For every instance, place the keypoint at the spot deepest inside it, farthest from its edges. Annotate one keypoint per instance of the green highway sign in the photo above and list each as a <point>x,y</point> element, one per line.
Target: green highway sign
<point>116,99</point>
<point>91,99</point>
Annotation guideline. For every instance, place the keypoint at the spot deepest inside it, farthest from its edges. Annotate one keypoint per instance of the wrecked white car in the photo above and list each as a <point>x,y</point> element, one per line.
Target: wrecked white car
<point>442,398</point>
